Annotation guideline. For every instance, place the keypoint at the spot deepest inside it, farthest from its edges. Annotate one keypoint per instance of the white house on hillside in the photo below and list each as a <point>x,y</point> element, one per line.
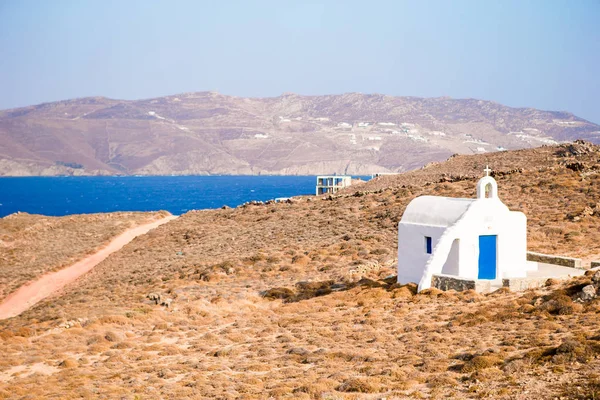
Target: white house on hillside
<point>329,184</point>
<point>467,238</point>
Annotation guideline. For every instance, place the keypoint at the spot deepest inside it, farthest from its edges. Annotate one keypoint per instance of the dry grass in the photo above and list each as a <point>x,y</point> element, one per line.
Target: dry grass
<point>32,245</point>
<point>292,301</point>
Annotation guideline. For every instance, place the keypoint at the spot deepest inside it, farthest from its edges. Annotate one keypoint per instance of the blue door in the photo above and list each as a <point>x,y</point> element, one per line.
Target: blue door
<point>487,257</point>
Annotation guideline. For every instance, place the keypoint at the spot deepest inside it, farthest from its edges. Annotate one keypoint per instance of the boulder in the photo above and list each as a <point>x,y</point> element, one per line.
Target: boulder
<point>587,293</point>
<point>155,297</point>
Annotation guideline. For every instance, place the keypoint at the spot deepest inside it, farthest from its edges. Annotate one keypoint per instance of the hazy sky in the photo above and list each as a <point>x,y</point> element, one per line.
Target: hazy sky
<point>542,54</point>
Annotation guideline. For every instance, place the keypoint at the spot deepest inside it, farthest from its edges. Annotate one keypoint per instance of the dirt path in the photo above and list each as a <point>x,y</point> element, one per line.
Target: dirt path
<point>32,292</point>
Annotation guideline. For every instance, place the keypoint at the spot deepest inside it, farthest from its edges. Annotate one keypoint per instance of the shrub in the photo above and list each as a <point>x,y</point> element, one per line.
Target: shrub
<point>432,292</point>
<point>441,380</point>
<point>68,363</point>
<point>552,282</point>
<point>380,251</point>
<point>403,292</point>
<point>576,349</point>
<point>487,374</point>
<point>25,332</point>
<point>112,336</point>
<point>278,293</point>
<point>480,362</point>
<point>113,319</point>
<point>358,385</point>
<point>300,259</point>
<point>559,303</point>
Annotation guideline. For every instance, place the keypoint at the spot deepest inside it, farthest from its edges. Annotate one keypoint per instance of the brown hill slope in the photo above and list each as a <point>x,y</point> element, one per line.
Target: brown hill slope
<point>347,333</point>
<point>32,245</point>
<point>210,133</point>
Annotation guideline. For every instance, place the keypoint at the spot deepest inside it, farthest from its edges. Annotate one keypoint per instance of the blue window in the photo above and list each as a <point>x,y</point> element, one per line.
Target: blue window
<point>428,244</point>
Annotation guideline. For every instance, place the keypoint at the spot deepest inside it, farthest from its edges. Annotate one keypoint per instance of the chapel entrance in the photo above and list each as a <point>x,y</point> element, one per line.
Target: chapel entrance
<point>487,257</point>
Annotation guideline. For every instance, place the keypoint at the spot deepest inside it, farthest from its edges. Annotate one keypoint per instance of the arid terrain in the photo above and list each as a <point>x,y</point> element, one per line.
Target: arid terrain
<point>298,300</point>
<point>210,133</point>
<point>32,245</point>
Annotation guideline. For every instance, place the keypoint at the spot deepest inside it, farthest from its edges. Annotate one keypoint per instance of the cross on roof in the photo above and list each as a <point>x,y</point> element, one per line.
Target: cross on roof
<point>487,170</point>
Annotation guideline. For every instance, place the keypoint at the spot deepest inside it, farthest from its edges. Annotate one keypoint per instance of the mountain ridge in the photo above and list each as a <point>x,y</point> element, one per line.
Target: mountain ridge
<point>208,133</point>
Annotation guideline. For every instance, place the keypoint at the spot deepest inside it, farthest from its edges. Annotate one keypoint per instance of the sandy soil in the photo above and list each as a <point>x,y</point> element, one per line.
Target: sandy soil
<point>31,293</point>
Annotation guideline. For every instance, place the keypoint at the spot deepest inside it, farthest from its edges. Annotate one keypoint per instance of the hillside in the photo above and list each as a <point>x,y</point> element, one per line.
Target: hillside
<point>291,300</point>
<point>32,245</point>
<point>209,133</point>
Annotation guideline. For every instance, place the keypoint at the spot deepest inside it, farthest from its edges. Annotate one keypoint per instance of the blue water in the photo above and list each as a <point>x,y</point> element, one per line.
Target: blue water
<point>177,194</point>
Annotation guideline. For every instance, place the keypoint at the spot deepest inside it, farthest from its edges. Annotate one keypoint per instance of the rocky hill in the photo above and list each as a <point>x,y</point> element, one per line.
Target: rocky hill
<point>294,300</point>
<point>210,133</point>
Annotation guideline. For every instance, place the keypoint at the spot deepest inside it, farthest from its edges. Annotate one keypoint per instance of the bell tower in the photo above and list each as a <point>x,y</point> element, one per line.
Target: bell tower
<point>487,188</point>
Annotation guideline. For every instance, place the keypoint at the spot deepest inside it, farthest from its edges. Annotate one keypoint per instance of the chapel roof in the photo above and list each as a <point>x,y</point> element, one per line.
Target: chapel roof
<point>435,210</point>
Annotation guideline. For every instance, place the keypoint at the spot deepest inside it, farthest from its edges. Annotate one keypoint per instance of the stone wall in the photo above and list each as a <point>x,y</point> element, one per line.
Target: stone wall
<point>520,284</point>
<point>448,282</point>
<point>555,260</point>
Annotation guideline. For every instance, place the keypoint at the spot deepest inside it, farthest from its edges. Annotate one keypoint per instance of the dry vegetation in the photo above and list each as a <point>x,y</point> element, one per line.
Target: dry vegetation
<point>32,245</point>
<point>294,301</point>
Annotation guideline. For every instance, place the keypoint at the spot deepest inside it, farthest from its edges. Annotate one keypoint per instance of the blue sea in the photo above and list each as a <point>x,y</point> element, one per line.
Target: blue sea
<point>177,194</point>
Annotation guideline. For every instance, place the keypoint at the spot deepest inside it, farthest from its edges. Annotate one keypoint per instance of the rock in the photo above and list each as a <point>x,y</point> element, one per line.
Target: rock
<point>453,178</point>
<point>587,293</point>
<point>166,302</point>
<point>299,351</point>
<point>225,207</point>
<point>596,278</point>
<point>69,324</point>
<point>579,147</point>
<point>586,212</point>
<point>155,297</point>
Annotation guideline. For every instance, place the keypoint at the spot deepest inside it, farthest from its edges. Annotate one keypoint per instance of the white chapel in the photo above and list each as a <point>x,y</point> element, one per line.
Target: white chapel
<point>467,238</point>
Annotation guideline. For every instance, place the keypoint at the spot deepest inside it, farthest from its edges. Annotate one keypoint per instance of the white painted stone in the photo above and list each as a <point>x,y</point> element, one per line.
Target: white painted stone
<point>454,226</point>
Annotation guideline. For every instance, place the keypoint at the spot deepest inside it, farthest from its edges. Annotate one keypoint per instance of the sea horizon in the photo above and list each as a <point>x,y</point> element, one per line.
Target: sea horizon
<point>68,195</point>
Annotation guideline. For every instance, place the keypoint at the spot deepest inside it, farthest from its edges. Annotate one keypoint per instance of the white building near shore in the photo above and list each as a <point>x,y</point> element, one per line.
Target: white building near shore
<point>330,184</point>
